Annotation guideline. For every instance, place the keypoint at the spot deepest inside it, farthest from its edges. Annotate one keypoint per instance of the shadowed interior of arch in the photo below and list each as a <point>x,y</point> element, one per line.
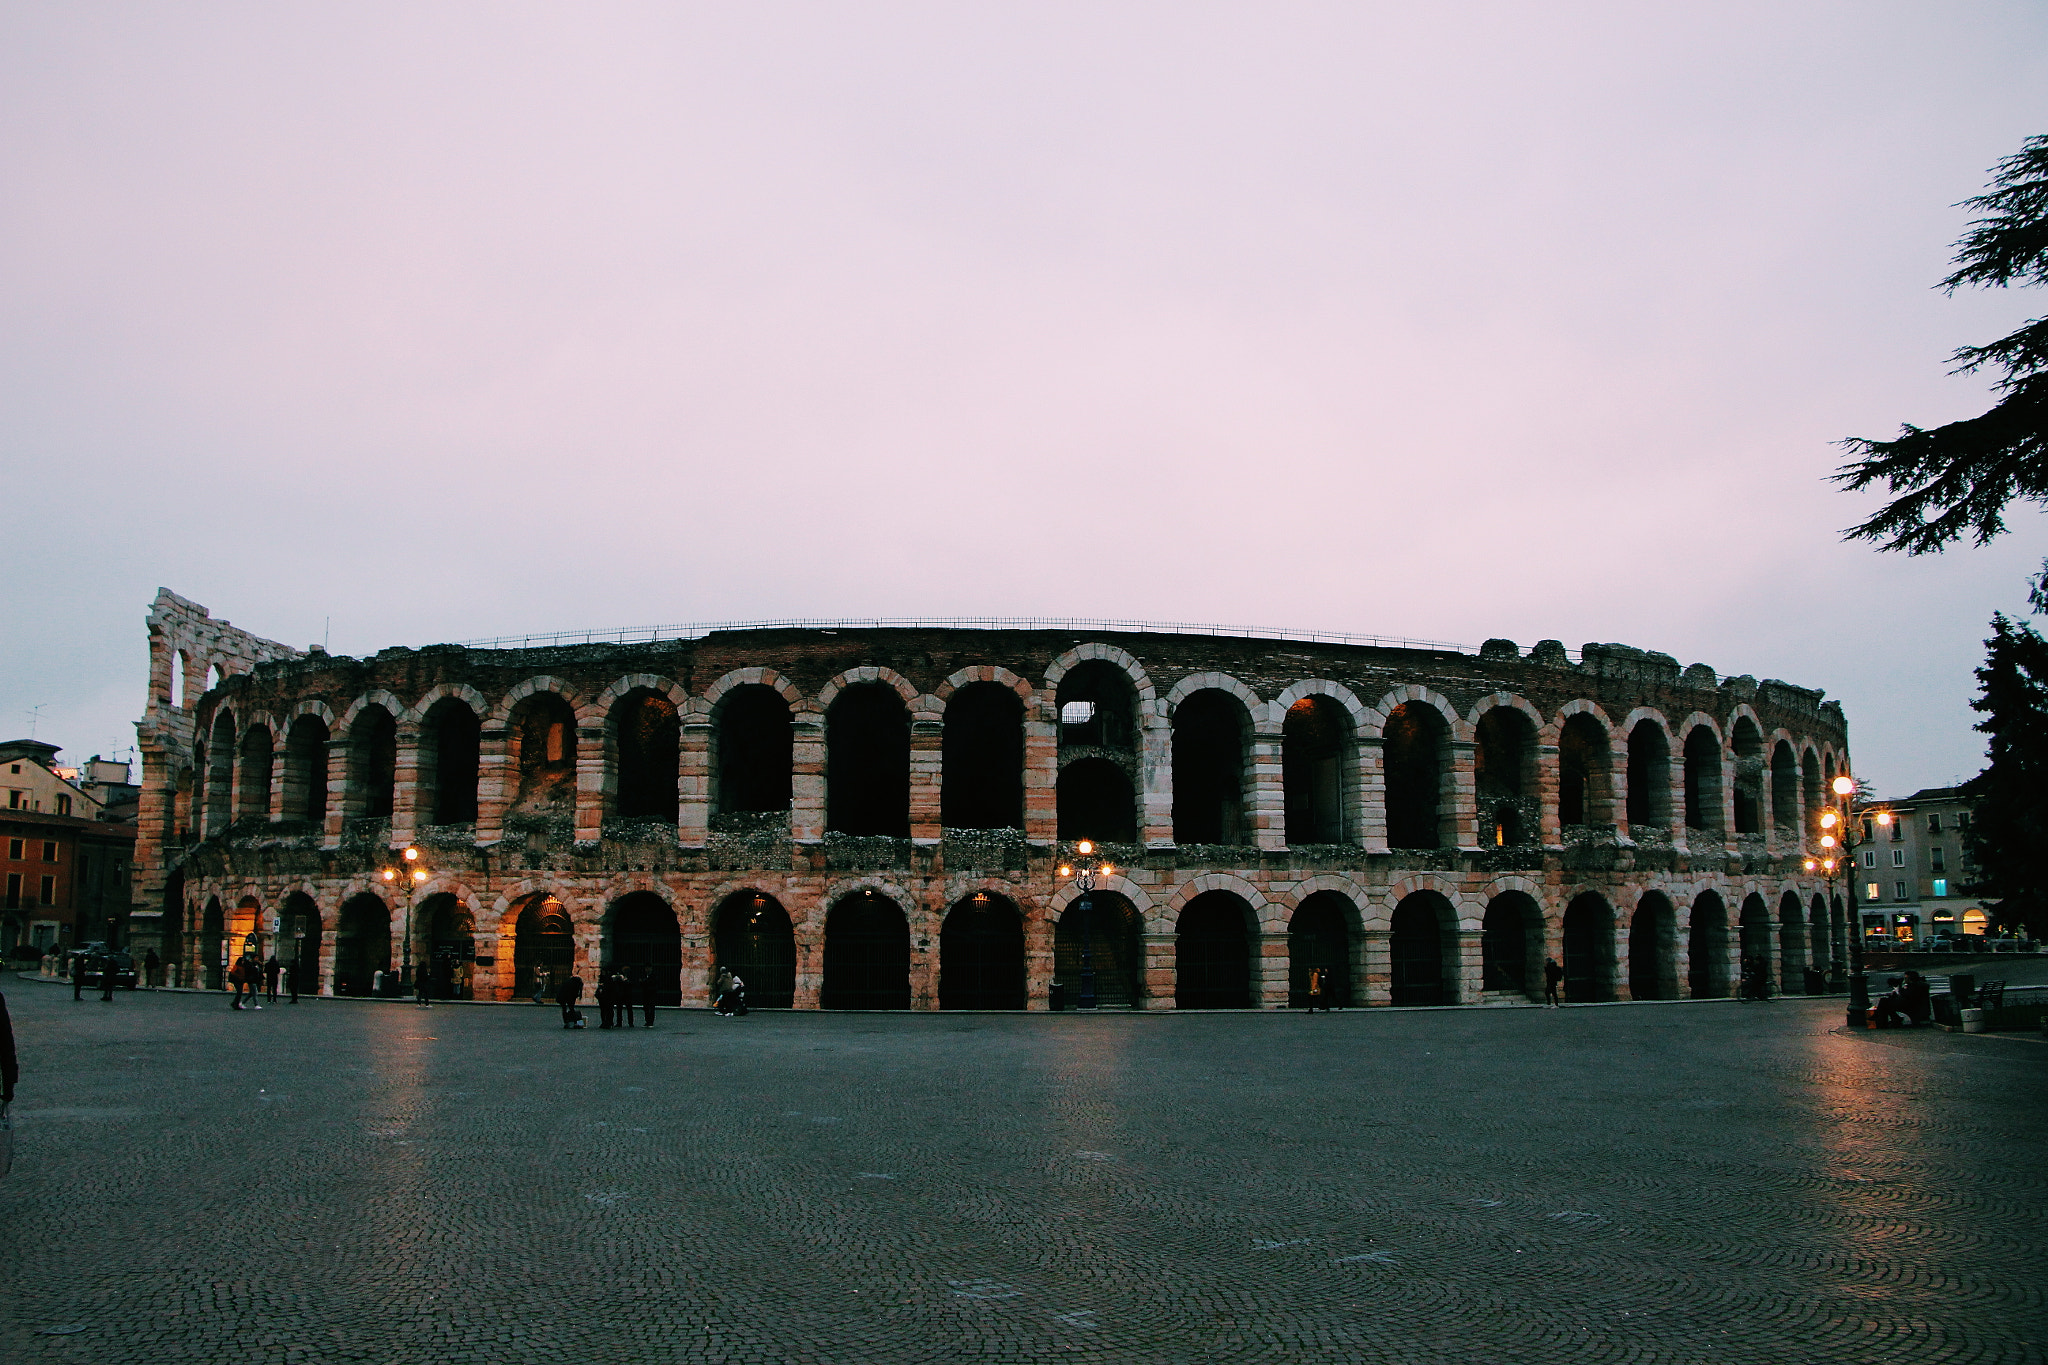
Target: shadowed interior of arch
<point>1210,737</point>
<point>981,955</point>
<point>1319,939</point>
<point>1707,948</point>
<point>1504,777</point>
<point>644,940</point>
<point>752,937</point>
<point>1416,752</point>
<point>753,743</point>
<point>1511,945</point>
<point>1103,937</point>
<point>543,946</point>
<point>649,735</point>
<point>1318,756</point>
<point>1423,932</point>
<point>867,762</point>
<point>1588,942</point>
<point>982,759</point>
<point>362,943</point>
<point>867,955</point>
<point>1212,953</point>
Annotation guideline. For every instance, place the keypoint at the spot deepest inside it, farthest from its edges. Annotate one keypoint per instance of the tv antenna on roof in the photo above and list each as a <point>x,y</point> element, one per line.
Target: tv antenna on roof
<point>33,719</point>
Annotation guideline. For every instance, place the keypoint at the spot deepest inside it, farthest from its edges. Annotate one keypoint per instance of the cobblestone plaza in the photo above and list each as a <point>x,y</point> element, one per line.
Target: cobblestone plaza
<point>363,1181</point>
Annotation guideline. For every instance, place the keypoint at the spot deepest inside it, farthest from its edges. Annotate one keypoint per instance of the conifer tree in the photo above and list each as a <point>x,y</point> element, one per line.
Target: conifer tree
<point>2009,825</point>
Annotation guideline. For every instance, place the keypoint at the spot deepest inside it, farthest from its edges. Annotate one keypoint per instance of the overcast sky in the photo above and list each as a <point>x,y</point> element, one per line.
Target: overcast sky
<point>1449,321</point>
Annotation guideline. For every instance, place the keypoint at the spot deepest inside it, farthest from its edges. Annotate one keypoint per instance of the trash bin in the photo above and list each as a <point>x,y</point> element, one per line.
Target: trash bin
<point>1816,983</point>
<point>1057,996</point>
<point>1963,986</point>
<point>1973,1021</point>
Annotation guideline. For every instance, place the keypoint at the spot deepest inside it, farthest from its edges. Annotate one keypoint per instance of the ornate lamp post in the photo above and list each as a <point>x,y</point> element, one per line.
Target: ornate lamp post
<point>1839,835</point>
<point>408,874</point>
<point>1084,870</point>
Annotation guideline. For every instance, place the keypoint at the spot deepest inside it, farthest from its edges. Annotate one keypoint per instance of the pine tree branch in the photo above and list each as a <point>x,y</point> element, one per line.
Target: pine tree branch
<point>1955,480</point>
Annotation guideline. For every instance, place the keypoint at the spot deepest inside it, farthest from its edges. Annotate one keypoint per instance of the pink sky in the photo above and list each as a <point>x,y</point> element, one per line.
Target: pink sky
<point>1450,321</point>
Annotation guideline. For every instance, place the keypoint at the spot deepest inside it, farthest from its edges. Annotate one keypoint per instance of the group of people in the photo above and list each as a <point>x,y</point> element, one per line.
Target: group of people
<point>618,994</point>
<point>248,976</point>
<point>1908,1003</point>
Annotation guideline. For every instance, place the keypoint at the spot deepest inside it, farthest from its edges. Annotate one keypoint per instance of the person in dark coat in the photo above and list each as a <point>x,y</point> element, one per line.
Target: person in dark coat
<point>271,969</point>
<point>568,995</point>
<point>107,974</point>
<point>622,1000</point>
<point>1553,977</point>
<point>10,1070</point>
<point>604,1000</point>
<point>645,986</point>
<point>78,976</point>
<point>150,963</point>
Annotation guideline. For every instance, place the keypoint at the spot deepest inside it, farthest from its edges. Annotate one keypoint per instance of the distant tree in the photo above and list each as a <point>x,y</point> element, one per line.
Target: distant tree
<point>1958,479</point>
<point>2009,822</point>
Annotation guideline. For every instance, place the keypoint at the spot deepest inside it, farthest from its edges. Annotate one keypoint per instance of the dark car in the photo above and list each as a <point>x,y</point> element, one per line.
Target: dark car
<point>87,961</point>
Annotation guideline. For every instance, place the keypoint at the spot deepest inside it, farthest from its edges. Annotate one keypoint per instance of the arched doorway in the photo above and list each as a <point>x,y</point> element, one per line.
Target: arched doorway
<point>1756,939</point>
<point>543,947</point>
<point>1511,945</point>
<point>1098,934</point>
<point>981,781</point>
<point>213,945</point>
<point>1706,948</point>
<point>752,939</point>
<point>867,955</point>
<point>362,944</point>
<point>1212,953</point>
<point>644,940</point>
<point>981,955</point>
<point>446,946</point>
<point>1792,943</point>
<point>867,763</point>
<point>1319,938</point>
<point>1417,949</point>
<point>1588,950</point>
<point>1653,950</point>
<point>298,931</point>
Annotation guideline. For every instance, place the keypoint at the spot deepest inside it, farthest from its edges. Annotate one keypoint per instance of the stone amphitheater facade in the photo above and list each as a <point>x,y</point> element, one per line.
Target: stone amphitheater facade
<point>885,816</point>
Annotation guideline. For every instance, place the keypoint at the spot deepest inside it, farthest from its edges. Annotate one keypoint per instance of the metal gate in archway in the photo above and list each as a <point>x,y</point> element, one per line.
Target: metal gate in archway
<point>646,943</point>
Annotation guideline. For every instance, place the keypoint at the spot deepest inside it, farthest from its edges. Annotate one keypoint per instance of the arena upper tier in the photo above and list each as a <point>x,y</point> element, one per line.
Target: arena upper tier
<point>886,817</point>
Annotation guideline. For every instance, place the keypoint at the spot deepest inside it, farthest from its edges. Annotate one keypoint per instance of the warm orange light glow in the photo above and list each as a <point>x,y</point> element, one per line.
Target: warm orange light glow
<point>389,875</point>
<point>1828,819</point>
<point>1084,848</point>
<point>1828,864</point>
<point>1884,817</point>
<point>1827,841</point>
<point>419,874</point>
<point>1107,869</point>
<point>1810,864</point>
<point>1066,871</point>
<point>411,853</point>
<point>1844,785</point>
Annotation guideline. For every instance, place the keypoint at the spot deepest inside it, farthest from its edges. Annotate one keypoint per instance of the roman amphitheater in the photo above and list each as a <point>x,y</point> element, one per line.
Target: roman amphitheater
<point>889,815</point>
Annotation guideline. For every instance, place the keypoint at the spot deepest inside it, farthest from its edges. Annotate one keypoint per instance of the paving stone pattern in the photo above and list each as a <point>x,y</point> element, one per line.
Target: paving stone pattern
<point>355,1181</point>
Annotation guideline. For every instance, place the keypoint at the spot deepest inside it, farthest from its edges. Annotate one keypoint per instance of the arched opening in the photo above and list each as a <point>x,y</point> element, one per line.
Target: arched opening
<point>1748,745</point>
<point>1649,780</point>
<point>1809,787</point>
<point>1653,950</point>
<point>752,939</point>
<point>1097,941</point>
<point>1097,801</point>
<point>450,736</point>
<point>1702,779</point>
<point>1585,787</point>
<point>981,783</point>
<point>298,925</point>
<point>644,940</point>
<point>1588,949</point>
<point>1318,761</point>
<point>362,944</point>
<point>1098,708</point>
<point>1423,927</point>
<point>867,765</point>
<point>755,755</point>
<point>305,770</point>
<point>1511,945</point>
<point>981,955</point>
<point>219,763</point>
<point>213,945</point>
<point>649,736</point>
<point>372,764</point>
<point>181,812</point>
<point>1415,749</point>
<point>1756,939</point>
<point>1706,948</point>
<point>178,667</point>
<point>1212,953</point>
<point>171,934</point>
<point>1791,942</point>
<point>867,954</point>
<point>1818,937</point>
<point>542,744</point>
<point>1210,735</point>
<point>445,947</point>
<point>245,929</point>
<point>543,947</point>
<point>1784,788</point>
<point>1319,939</point>
<point>1504,777</point>
<point>258,756</point>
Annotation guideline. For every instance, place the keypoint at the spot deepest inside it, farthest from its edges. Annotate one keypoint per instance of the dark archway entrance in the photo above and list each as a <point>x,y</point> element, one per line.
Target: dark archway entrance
<point>867,954</point>
<point>298,930</point>
<point>1096,802</point>
<point>1319,937</point>
<point>1106,933</point>
<point>1756,941</point>
<point>982,759</point>
<point>362,944</point>
<point>1706,948</point>
<point>543,947</point>
<point>867,762</point>
<point>644,941</point>
<point>648,733</point>
<point>752,939</point>
<point>1653,950</point>
<point>1511,945</point>
<point>1417,947</point>
<point>1210,731</point>
<point>213,934</point>
<point>1212,954</point>
<point>981,955</point>
<point>447,946</point>
<point>1588,950</point>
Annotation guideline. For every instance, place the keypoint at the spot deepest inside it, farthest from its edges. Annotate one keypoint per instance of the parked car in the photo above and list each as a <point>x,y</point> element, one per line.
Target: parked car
<point>87,959</point>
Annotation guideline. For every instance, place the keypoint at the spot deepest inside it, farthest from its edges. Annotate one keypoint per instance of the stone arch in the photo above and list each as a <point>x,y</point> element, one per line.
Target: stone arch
<point>1141,681</point>
<point>982,954</point>
<point>1507,770</point>
<point>1585,767</point>
<point>1707,946</point>
<point>1417,765</point>
<point>1151,914</point>
<point>641,938</point>
<point>1319,770</point>
<point>1211,681</point>
<point>1454,724</point>
<point>1512,942</point>
<point>1649,740</point>
<point>868,723</point>
<point>867,952</point>
<point>982,756</point>
<point>707,703</point>
<point>501,717</point>
<point>1216,935</point>
<point>1323,935</point>
<point>374,697</point>
<point>754,937</point>
<point>643,739</point>
<point>1362,716</point>
<point>871,673</point>
<point>1423,949</point>
<point>1653,949</point>
<point>987,673</point>
<point>478,704</point>
<point>256,765</point>
<point>1211,754</point>
<point>1265,913</point>
<point>678,696</point>
<point>1588,941</point>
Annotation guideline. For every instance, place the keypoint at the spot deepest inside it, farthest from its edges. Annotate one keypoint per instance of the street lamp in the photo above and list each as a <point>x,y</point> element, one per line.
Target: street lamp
<point>1085,868</point>
<point>407,874</point>
<point>1839,836</point>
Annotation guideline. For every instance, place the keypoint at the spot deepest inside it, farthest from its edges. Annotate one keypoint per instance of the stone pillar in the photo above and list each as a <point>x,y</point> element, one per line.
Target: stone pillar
<point>1619,950</point>
<point>927,765</point>
<point>810,965</point>
<point>1041,776</point>
<point>596,780</point>
<point>807,786</point>
<point>507,979</point>
<point>1266,791</point>
<point>496,783</point>
<point>1458,798</point>
<point>280,763</point>
<point>1272,966</point>
<point>1376,981</point>
<point>1155,769</point>
<point>696,977</point>
<point>1617,784</point>
<point>1158,973</point>
<point>1549,831</point>
<point>1372,797</point>
<point>924,957</point>
<point>1470,981</point>
<point>405,786</point>
<point>338,798</point>
<point>693,783</point>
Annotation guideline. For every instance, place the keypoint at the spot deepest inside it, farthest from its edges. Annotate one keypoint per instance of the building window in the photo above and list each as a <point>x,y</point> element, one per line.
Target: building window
<point>14,849</point>
<point>49,850</point>
<point>1898,890</point>
<point>14,801</point>
<point>63,805</point>
<point>1934,823</point>
<point>49,891</point>
<point>14,891</point>
<point>1872,891</point>
<point>1898,828</point>
<point>1938,859</point>
<point>1940,886</point>
<point>1898,857</point>
<point>1870,857</point>
<point>1962,819</point>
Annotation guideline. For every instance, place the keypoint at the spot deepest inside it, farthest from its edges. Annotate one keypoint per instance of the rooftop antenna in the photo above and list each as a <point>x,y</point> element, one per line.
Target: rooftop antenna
<point>34,719</point>
<point>326,632</point>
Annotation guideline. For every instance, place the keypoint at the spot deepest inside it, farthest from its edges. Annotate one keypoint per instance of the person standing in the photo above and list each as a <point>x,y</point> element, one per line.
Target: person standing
<point>1315,991</point>
<point>107,976</point>
<point>647,995</point>
<point>568,995</point>
<point>422,987</point>
<point>77,977</point>
<point>151,965</point>
<point>270,974</point>
<point>622,999</point>
<point>1553,977</point>
<point>10,1070</point>
<point>603,992</point>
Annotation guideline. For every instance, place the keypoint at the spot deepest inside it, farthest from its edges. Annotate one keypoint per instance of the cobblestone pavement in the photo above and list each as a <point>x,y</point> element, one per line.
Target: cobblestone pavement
<point>352,1181</point>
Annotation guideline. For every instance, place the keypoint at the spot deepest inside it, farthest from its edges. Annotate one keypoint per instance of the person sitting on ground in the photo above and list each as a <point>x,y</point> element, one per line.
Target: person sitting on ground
<point>568,995</point>
<point>1890,1009</point>
<point>1918,998</point>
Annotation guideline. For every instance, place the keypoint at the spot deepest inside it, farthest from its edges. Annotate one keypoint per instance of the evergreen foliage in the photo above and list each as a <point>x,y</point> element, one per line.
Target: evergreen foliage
<point>2009,825</point>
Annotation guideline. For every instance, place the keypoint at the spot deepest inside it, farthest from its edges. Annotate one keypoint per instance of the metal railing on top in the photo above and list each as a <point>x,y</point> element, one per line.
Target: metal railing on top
<point>696,630</point>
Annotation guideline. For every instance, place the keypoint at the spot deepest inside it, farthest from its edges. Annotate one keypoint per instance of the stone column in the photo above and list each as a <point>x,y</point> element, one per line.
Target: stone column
<point>810,965</point>
<point>1620,954</point>
<point>1041,775</point>
<point>1159,973</point>
<point>596,781</point>
<point>1376,981</point>
<point>496,783</point>
<point>507,980</point>
<point>1266,791</point>
<point>927,765</point>
<point>696,977</point>
<point>693,783</point>
<point>405,786</point>
<point>924,957</point>
<point>280,765</point>
<point>1155,768</point>
<point>807,785</point>
<point>1617,784</point>
<point>1549,831</point>
<point>1458,798</point>
<point>1470,982</point>
<point>1372,797</point>
<point>1674,802</point>
<point>339,807</point>
<point>1272,966</point>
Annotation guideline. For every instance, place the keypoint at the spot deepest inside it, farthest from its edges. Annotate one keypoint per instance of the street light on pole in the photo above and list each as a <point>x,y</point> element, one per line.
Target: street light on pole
<point>1839,836</point>
<point>1085,868</point>
<point>407,874</point>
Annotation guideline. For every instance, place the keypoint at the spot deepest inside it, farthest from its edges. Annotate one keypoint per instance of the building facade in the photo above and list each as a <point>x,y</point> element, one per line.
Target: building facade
<point>1909,868</point>
<point>887,816</point>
